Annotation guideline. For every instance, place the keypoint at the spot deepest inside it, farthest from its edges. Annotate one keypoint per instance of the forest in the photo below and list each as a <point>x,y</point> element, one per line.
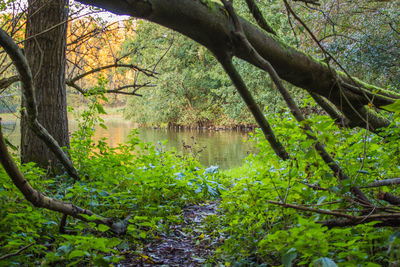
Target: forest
<point>319,80</point>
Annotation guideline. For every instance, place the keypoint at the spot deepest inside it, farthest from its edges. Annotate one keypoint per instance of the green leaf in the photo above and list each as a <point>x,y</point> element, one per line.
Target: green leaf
<point>78,253</point>
<point>395,107</point>
<point>8,143</point>
<point>103,228</point>
<point>324,262</point>
<point>100,109</point>
<point>63,250</point>
<point>143,235</point>
<point>289,257</point>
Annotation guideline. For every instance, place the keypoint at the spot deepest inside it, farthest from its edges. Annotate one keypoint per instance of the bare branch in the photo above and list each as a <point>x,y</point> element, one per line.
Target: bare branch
<point>255,11</point>
<point>309,2</point>
<point>314,186</point>
<point>241,87</point>
<point>6,82</point>
<point>330,109</point>
<point>299,207</point>
<point>118,90</point>
<point>115,65</point>
<point>392,219</point>
<point>392,199</point>
<point>16,253</point>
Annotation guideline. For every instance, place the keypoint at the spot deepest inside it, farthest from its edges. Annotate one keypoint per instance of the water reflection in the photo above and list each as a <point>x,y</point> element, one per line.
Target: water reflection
<point>223,148</point>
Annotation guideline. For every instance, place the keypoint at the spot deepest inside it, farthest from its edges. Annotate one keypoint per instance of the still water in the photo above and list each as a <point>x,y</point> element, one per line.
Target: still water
<point>223,148</point>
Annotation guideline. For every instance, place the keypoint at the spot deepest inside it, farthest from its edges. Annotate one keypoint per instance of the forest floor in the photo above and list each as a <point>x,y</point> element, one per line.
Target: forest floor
<point>185,244</point>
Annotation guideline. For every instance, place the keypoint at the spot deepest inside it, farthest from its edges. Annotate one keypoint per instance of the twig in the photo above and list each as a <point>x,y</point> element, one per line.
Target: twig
<point>315,187</point>
<point>327,212</point>
<point>255,11</point>
<point>114,65</point>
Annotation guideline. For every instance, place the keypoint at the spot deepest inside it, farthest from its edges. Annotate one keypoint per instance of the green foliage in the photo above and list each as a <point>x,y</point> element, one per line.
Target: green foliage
<point>365,39</point>
<point>259,233</point>
<point>137,181</point>
<point>192,88</point>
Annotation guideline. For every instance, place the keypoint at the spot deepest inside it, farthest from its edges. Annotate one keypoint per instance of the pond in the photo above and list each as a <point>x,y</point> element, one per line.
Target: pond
<point>224,148</point>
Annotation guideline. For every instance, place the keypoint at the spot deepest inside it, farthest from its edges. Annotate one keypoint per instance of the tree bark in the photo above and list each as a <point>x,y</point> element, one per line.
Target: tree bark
<point>45,51</point>
<point>209,25</point>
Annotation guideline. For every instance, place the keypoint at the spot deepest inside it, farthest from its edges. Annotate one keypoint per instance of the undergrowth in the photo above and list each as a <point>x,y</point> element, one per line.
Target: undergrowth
<point>149,186</point>
<point>136,181</point>
<point>258,233</point>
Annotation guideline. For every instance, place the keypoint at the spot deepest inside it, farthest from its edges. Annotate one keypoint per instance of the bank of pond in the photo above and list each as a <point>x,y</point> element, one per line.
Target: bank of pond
<point>224,147</point>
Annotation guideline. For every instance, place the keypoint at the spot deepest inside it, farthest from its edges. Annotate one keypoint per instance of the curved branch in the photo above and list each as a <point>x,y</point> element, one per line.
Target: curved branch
<point>6,82</point>
<point>388,182</point>
<point>41,201</point>
<point>115,65</point>
<point>118,90</point>
<point>210,26</point>
<point>28,94</point>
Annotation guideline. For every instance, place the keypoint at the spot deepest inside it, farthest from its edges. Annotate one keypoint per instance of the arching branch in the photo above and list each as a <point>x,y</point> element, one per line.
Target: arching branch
<point>41,201</point>
<point>211,28</point>
<point>28,93</point>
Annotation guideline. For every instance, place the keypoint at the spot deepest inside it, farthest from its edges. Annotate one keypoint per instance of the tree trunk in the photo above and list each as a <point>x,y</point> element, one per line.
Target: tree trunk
<point>45,50</point>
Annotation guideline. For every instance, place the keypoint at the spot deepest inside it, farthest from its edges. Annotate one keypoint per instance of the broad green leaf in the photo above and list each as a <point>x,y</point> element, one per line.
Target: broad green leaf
<point>103,228</point>
<point>324,262</point>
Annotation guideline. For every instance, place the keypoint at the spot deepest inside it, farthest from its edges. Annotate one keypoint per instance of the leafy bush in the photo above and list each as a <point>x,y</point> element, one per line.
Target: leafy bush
<point>261,233</point>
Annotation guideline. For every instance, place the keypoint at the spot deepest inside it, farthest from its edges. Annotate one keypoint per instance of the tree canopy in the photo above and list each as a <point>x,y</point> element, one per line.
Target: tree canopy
<point>207,23</point>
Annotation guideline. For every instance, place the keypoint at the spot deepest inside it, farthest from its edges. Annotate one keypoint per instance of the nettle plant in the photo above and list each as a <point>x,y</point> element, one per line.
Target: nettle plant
<point>258,231</point>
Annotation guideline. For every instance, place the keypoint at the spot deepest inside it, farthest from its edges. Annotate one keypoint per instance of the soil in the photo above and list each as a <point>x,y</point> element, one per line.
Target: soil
<point>186,244</point>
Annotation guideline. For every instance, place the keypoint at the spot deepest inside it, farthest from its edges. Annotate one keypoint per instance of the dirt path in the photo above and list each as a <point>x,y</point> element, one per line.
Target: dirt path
<point>186,244</point>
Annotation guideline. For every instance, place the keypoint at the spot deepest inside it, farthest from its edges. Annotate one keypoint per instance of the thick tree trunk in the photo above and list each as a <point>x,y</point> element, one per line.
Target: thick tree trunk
<point>45,50</point>
<point>208,24</point>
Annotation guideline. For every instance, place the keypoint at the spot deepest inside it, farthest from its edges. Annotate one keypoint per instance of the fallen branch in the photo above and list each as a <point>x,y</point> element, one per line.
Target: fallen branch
<point>41,201</point>
<point>386,219</point>
<point>327,212</point>
<point>15,253</point>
